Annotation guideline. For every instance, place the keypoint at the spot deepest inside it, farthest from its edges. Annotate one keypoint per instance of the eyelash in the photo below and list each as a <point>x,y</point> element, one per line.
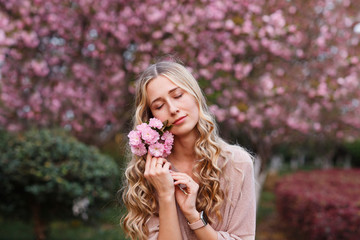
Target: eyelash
<point>176,97</point>
<point>159,107</point>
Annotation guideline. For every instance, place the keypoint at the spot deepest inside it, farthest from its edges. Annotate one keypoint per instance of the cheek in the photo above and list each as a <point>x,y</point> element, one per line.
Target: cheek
<point>159,115</point>
<point>197,113</point>
<point>195,107</point>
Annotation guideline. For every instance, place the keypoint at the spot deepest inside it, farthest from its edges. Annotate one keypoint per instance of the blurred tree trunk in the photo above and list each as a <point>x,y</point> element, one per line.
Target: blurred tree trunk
<point>264,152</point>
<point>40,226</point>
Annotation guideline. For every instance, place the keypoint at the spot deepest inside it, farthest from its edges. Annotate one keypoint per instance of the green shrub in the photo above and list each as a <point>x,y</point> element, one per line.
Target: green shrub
<point>353,149</point>
<point>44,173</point>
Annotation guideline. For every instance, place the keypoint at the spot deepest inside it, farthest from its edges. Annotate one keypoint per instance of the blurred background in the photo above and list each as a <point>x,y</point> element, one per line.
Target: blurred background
<point>281,77</point>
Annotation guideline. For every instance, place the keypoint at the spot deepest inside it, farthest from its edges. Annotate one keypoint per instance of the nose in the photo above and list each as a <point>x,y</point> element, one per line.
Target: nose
<point>173,108</point>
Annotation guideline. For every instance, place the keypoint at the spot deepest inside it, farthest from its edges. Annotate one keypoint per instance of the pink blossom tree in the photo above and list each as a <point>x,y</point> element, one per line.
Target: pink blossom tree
<point>64,63</point>
<point>277,71</point>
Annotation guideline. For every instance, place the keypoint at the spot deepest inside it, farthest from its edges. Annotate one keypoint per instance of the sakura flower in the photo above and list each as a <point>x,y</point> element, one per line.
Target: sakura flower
<point>139,150</point>
<point>156,149</point>
<point>142,127</point>
<point>150,136</point>
<point>134,138</point>
<point>167,150</point>
<point>155,123</point>
<point>168,138</point>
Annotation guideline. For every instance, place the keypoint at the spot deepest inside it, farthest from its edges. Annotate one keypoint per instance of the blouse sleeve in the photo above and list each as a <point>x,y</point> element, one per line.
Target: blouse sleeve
<point>241,223</point>
<point>153,226</point>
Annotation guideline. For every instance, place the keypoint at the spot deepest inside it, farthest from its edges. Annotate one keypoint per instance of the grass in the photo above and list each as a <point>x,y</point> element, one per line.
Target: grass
<point>107,228</point>
<point>15,230</point>
<point>266,206</point>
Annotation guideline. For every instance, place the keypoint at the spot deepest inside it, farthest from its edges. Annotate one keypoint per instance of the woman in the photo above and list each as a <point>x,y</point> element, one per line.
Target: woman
<point>205,188</point>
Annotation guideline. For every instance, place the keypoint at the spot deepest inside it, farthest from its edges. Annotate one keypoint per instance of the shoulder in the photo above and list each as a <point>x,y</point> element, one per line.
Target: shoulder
<point>236,161</point>
<point>237,177</point>
<point>236,154</point>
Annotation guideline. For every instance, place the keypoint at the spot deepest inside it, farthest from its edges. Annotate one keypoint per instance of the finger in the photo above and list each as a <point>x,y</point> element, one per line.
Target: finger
<point>186,182</point>
<point>180,174</point>
<point>179,188</point>
<point>153,162</point>
<point>163,160</point>
<point>167,165</point>
<point>179,177</point>
<point>160,162</point>
<point>148,157</point>
<point>147,162</point>
<point>183,180</point>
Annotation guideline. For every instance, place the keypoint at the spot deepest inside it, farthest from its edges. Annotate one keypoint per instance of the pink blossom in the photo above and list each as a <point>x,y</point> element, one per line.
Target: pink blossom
<point>168,137</point>
<point>150,136</point>
<point>155,123</point>
<point>77,127</point>
<point>229,24</point>
<point>156,149</point>
<point>247,26</point>
<point>2,36</point>
<point>218,112</point>
<point>242,70</point>
<point>139,150</point>
<point>30,39</point>
<point>292,9</point>
<point>231,55</point>
<point>241,117</point>
<point>277,19</point>
<point>256,122</point>
<point>234,111</point>
<point>167,150</point>
<point>354,60</point>
<point>322,89</point>
<point>142,127</point>
<point>157,34</point>
<point>14,127</point>
<point>134,138</point>
<point>317,126</point>
<point>40,68</point>
<point>339,134</point>
<point>154,15</point>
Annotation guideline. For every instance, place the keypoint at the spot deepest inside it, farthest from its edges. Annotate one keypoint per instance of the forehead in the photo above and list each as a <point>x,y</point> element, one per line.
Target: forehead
<point>159,86</point>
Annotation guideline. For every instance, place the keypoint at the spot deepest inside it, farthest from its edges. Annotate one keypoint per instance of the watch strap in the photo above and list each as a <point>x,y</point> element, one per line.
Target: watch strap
<point>199,223</point>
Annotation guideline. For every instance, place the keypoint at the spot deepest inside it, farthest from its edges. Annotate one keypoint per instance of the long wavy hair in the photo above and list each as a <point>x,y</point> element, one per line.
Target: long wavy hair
<point>138,195</point>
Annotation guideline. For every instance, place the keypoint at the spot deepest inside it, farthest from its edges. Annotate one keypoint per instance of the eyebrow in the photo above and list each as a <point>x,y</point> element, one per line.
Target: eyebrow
<point>170,91</point>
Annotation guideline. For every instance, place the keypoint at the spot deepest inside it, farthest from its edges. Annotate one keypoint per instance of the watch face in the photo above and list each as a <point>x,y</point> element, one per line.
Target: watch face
<point>204,218</point>
<point>202,222</point>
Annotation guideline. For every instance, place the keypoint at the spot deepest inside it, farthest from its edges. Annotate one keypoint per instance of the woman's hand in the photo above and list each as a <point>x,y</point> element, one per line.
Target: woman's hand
<point>157,172</point>
<point>187,199</point>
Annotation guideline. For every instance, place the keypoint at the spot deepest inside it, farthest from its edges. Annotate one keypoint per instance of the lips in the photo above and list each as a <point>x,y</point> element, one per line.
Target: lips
<point>179,120</point>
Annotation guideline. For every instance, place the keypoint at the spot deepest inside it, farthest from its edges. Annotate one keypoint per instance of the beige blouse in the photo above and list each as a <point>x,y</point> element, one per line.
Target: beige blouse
<point>239,208</point>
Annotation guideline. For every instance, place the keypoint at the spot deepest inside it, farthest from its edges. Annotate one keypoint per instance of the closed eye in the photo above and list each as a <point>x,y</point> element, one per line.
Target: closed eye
<point>179,96</point>
<point>159,107</point>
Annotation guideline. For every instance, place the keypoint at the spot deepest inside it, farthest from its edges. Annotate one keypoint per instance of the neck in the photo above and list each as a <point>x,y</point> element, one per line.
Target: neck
<point>183,149</point>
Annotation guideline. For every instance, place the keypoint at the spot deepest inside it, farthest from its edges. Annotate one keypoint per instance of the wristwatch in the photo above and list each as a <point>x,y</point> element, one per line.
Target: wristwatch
<point>199,223</point>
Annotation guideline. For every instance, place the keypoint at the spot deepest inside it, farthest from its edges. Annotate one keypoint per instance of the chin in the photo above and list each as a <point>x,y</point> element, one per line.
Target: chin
<point>183,131</point>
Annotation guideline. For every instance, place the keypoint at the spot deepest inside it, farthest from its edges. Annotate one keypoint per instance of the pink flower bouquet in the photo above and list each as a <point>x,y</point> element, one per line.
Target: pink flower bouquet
<point>153,137</point>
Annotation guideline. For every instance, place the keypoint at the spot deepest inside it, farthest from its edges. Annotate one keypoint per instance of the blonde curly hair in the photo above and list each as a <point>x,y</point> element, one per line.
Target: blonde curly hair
<point>138,195</point>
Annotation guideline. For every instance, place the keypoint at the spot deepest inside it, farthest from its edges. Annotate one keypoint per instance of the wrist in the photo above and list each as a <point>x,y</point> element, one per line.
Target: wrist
<point>193,216</point>
<point>166,198</point>
<point>202,222</point>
